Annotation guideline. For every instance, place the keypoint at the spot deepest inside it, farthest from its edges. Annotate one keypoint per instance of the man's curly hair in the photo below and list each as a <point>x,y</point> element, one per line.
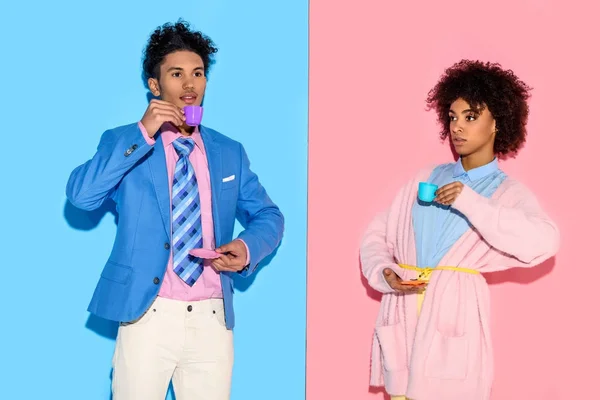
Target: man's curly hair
<point>170,38</point>
<point>485,85</point>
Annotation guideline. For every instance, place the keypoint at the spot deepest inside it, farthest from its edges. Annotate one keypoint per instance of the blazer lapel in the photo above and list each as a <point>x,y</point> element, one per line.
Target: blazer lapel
<point>213,156</point>
<point>158,172</point>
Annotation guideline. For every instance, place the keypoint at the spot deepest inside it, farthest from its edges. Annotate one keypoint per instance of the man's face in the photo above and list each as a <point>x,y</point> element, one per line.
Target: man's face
<point>182,80</point>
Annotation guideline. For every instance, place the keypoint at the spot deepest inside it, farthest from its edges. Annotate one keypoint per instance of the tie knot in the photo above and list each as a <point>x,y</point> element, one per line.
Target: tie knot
<point>183,146</point>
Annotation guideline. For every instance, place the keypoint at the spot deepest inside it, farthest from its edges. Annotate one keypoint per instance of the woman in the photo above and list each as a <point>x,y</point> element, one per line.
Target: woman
<point>432,342</point>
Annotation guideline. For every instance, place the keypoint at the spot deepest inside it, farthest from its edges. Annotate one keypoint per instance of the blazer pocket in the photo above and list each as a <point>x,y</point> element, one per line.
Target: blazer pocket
<point>229,178</point>
<point>229,185</point>
<point>116,272</point>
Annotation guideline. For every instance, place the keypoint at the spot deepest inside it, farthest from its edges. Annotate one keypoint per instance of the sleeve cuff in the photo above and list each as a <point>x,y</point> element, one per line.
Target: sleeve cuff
<point>147,137</point>
<point>465,200</point>
<point>247,251</point>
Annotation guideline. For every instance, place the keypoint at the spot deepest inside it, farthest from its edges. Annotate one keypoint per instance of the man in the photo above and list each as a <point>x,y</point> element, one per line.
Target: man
<point>177,188</point>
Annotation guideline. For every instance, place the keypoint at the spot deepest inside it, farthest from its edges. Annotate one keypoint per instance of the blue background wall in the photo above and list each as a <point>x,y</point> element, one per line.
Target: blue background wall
<point>71,70</point>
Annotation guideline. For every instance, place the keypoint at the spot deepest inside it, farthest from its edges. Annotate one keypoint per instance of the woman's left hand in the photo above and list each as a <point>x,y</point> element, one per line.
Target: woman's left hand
<point>447,194</point>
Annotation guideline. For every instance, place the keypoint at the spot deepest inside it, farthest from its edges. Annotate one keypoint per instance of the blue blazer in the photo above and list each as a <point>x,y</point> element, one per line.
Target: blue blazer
<point>134,174</point>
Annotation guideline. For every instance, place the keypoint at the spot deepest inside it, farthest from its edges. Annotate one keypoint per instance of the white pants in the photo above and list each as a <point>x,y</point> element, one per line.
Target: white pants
<point>183,341</point>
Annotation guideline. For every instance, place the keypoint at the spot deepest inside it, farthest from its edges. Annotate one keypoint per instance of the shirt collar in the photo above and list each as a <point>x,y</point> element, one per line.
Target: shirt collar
<point>476,173</point>
<point>170,133</point>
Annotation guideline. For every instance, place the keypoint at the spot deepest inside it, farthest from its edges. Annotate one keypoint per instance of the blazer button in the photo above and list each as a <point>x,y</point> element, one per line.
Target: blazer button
<point>167,246</point>
<point>156,281</point>
<point>130,150</point>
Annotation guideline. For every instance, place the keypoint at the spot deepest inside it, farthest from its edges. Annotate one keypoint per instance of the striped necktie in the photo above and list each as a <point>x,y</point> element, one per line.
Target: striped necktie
<point>186,222</point>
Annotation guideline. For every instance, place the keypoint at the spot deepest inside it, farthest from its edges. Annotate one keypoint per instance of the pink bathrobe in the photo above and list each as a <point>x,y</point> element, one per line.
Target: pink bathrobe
<point>445,353</point>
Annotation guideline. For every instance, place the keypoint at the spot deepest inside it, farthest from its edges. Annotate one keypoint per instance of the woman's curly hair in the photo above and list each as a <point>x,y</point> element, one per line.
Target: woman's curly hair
<point>169,38</point>
<point>485,85</point>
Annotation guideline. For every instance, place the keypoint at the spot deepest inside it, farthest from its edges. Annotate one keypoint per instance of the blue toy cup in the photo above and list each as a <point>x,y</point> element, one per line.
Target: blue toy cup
<point>427,191</point>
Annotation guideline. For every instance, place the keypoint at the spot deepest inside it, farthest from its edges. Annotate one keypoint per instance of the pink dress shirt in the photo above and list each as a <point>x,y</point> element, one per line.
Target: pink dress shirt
<point>208,284</point>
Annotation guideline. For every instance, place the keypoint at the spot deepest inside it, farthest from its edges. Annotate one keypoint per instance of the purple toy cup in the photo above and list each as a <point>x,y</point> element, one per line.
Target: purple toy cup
<point>193,115</point>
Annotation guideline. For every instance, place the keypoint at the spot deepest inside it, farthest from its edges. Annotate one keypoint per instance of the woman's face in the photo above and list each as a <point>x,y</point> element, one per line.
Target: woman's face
<point>472,130</point>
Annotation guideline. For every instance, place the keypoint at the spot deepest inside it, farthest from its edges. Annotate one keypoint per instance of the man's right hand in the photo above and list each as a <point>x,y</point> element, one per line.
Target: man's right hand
<point>396,283</point>
<point>159,112</point>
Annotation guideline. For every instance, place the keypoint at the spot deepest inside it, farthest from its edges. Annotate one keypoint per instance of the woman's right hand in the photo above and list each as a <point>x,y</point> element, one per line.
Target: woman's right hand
<point>396,283</point>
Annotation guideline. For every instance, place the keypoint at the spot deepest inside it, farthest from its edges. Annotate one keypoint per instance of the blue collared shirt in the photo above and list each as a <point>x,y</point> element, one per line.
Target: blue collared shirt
<point>437,228</point>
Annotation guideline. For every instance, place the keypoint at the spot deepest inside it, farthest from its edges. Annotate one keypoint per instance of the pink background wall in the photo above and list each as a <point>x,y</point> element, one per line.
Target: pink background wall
<point>372,63</point>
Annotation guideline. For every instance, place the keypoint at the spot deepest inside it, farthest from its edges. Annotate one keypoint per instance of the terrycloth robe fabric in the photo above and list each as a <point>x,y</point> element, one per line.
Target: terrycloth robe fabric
<point>445,352</point>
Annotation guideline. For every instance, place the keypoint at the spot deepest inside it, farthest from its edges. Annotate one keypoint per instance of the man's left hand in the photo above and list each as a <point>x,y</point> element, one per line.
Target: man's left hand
<point>233,257</point>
